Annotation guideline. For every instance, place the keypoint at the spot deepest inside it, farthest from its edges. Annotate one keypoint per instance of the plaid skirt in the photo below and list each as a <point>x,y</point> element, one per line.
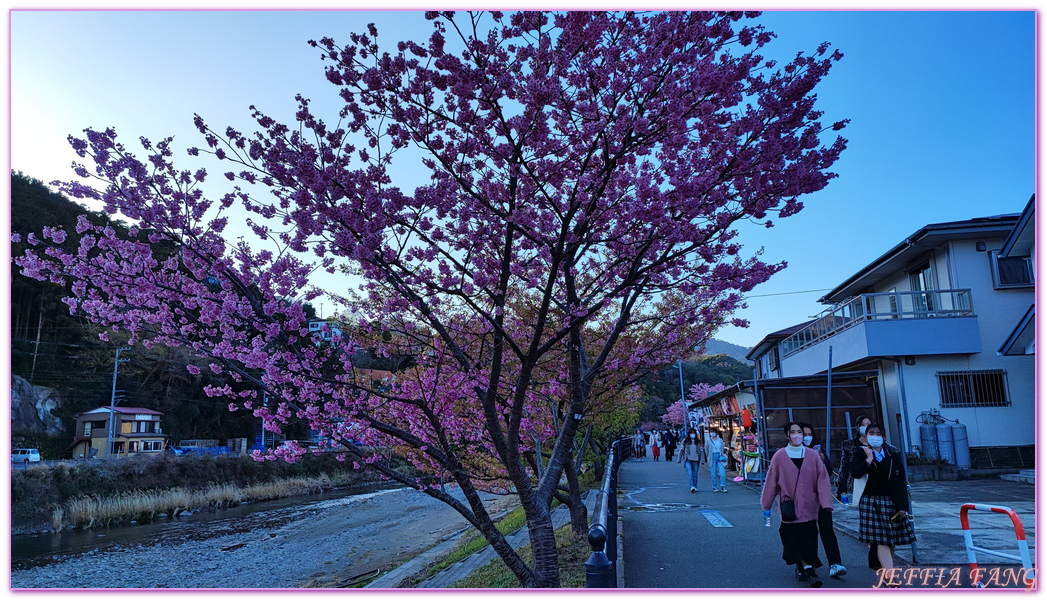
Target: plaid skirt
<point>875,525</point>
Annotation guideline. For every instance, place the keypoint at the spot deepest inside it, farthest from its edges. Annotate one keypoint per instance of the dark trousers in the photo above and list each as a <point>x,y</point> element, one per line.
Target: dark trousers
<point>669,450</point>
<point>829,542</point>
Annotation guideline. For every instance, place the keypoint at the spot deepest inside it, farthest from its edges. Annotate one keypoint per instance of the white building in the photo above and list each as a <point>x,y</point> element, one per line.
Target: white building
<point>945,318</point>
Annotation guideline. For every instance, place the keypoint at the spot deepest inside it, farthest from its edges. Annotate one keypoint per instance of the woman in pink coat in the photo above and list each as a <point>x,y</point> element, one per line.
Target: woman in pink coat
<point>797,473</point>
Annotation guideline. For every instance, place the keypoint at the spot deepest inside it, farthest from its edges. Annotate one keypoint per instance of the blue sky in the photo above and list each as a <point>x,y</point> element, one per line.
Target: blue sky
<point>942,108</point>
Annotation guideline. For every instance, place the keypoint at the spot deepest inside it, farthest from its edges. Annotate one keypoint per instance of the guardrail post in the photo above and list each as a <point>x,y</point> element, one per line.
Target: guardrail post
<point>599,571</point>
<point>1019,534</point>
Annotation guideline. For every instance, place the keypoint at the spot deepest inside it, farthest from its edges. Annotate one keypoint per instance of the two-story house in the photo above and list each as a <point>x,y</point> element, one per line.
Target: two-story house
<point>945,321</point>
<point>135,431</point>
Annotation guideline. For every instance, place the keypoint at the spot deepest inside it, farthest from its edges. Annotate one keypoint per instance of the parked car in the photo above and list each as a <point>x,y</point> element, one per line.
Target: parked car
<point>25,455</point>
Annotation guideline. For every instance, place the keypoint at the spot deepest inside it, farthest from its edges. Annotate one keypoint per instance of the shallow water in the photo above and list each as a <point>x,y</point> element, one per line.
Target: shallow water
<point>35,550</point>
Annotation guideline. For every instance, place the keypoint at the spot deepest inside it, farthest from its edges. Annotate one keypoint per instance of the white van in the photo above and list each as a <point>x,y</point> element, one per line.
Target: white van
<point>25,455</point>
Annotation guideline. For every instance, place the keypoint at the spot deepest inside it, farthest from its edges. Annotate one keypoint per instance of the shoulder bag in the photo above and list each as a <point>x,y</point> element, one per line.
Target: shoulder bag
<point>787,504</point>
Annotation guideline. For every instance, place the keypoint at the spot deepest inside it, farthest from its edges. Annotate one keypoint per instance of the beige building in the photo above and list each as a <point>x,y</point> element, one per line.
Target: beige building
<point>136,431</point>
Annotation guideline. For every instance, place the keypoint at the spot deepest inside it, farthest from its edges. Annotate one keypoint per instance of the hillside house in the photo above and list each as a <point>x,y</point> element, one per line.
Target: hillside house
<point>137,431</point>
<point>945,321</point>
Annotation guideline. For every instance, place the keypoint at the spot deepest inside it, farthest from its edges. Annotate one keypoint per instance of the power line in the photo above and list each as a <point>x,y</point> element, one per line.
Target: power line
<point>788,293</point>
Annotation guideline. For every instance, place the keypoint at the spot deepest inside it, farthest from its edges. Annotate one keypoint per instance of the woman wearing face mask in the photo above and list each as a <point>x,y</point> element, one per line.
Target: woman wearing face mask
<point>883,511</point>
<point>845,483</point>
<point>691,456</point>
<point>825,517</point>
<point>713,450</point>
<point>796,473</point>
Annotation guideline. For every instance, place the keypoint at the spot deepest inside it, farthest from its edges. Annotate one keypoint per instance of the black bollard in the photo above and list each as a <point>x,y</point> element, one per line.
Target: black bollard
<point>599,571</point>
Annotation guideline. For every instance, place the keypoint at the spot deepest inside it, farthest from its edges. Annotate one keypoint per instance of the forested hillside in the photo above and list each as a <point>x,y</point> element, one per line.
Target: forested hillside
<point>53,349</point>
<point>663,388</point>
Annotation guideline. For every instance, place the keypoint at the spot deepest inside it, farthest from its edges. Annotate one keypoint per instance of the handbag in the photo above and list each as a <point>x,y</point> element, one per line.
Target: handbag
<point>723,458</point>
<point>786,504</point>
<point>859,487</point>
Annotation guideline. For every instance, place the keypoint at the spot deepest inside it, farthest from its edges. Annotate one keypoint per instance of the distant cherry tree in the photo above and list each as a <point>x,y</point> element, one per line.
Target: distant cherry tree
<point>586,174</point>
<point>674,415</point>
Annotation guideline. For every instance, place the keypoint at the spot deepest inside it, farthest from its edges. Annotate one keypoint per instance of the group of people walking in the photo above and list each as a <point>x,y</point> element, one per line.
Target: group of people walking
<point>692,452</point>
<point>798,478</point>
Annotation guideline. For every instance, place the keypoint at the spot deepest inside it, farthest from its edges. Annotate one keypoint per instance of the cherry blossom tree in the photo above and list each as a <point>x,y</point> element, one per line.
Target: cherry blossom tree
<point>588,166</point>
<point>674,415</point>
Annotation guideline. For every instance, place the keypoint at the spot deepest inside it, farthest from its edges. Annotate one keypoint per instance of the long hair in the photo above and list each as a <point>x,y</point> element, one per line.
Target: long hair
<point>687,439</point>
<point>814,435</point>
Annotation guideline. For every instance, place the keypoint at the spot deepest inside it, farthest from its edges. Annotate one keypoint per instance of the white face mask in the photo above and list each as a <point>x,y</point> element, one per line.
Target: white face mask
<point>861,429</point>
<point>875,441</point>
<point>795,439</point>
<point>807,439</point>
<point>692,436</point>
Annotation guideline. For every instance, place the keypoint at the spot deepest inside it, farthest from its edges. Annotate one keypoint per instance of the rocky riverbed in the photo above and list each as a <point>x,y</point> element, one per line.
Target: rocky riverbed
<point>323,547</point>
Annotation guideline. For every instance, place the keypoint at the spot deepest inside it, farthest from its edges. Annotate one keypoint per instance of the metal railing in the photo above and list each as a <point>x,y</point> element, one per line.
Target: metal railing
<point>878,307</point>
<point>601,570</point>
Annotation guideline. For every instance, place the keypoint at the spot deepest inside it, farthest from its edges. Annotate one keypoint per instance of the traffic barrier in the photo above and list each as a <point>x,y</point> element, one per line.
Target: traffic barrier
<point>1019,532</point>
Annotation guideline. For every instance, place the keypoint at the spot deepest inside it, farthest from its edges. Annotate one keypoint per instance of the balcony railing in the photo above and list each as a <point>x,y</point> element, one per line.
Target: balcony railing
<point>878,307</point>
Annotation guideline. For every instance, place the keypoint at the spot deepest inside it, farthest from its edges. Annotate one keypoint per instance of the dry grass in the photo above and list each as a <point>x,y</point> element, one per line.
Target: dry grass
<point>57,516</point>
<point>93,511</point>
<point>572,552</point>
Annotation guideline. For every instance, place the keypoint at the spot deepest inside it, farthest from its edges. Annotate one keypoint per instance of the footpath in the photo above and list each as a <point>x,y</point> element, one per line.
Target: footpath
<point>673,538</point>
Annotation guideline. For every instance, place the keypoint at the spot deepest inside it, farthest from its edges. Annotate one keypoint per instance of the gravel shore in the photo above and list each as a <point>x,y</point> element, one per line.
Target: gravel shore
<point>338,540</point>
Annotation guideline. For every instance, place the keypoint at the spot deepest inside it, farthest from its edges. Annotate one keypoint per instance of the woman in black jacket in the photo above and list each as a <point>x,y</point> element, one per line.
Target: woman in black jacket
<point>883,510</point>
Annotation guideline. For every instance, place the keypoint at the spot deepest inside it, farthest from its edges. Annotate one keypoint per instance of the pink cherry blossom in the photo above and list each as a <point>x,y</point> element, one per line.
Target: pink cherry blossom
<point>585,174</point>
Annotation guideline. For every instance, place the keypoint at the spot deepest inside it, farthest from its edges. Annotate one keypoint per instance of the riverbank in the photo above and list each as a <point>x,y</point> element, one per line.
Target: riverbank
<point>52,497</point>
<point>325,545</point>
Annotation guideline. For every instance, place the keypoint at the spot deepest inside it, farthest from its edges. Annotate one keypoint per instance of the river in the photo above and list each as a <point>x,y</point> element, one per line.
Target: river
<point>36,550</point>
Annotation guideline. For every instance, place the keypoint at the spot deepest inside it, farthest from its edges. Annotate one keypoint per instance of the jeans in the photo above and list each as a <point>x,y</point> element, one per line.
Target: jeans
<point>715,466</point>
<point>692,472</point>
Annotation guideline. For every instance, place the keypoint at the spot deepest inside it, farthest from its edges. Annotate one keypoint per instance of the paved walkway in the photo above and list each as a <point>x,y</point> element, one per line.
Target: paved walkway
<point>451,575</point>
<point>676,539</point>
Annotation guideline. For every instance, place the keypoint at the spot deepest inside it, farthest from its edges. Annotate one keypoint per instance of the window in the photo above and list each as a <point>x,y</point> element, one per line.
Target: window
<point>773,358</point>
<point>962,389</point>
<point>87,429</point>
<point>920,280</point>
<point>152,446</point>
<point>1010,272</point>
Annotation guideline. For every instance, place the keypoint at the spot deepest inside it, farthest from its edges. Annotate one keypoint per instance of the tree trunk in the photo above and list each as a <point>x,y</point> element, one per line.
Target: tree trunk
<point>543,545</point>
<point>579,514</point>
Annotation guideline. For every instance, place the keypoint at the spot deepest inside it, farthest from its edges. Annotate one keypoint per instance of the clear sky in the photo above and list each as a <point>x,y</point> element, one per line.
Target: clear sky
<point>942,108</point>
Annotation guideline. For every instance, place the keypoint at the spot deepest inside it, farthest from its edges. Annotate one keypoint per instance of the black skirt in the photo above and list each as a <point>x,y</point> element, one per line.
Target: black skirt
<point>800,543</point>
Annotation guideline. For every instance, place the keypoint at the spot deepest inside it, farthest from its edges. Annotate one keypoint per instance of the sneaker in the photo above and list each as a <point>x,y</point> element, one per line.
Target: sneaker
<point>724,490</point>
<point>837,570</point>
<point>693,490</point>
<point>802,575</point>
<point>813,576</point>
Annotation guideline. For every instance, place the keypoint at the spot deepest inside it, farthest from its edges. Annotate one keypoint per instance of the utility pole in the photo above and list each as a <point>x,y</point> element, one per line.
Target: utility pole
<point>112,406</point>
<point>828,404</point>
<point>683,398</point>
<point>36,352</point>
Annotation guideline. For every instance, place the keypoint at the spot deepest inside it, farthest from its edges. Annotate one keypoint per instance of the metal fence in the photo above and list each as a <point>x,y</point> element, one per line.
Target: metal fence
<point>601,570</point>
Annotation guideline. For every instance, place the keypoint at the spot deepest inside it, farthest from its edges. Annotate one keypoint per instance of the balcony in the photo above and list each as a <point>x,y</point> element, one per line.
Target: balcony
<point>895,323</point>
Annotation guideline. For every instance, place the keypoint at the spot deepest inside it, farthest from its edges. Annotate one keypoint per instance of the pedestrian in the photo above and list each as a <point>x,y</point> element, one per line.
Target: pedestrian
<point>845,482</point>
<point>825,516</point>
<point>691,456</point>
<point>798,479</point>
<point>883,509</point>
<point>714,453</point>
<point>670,444</point>
<point>656,444</point>
<point>639,444</point>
